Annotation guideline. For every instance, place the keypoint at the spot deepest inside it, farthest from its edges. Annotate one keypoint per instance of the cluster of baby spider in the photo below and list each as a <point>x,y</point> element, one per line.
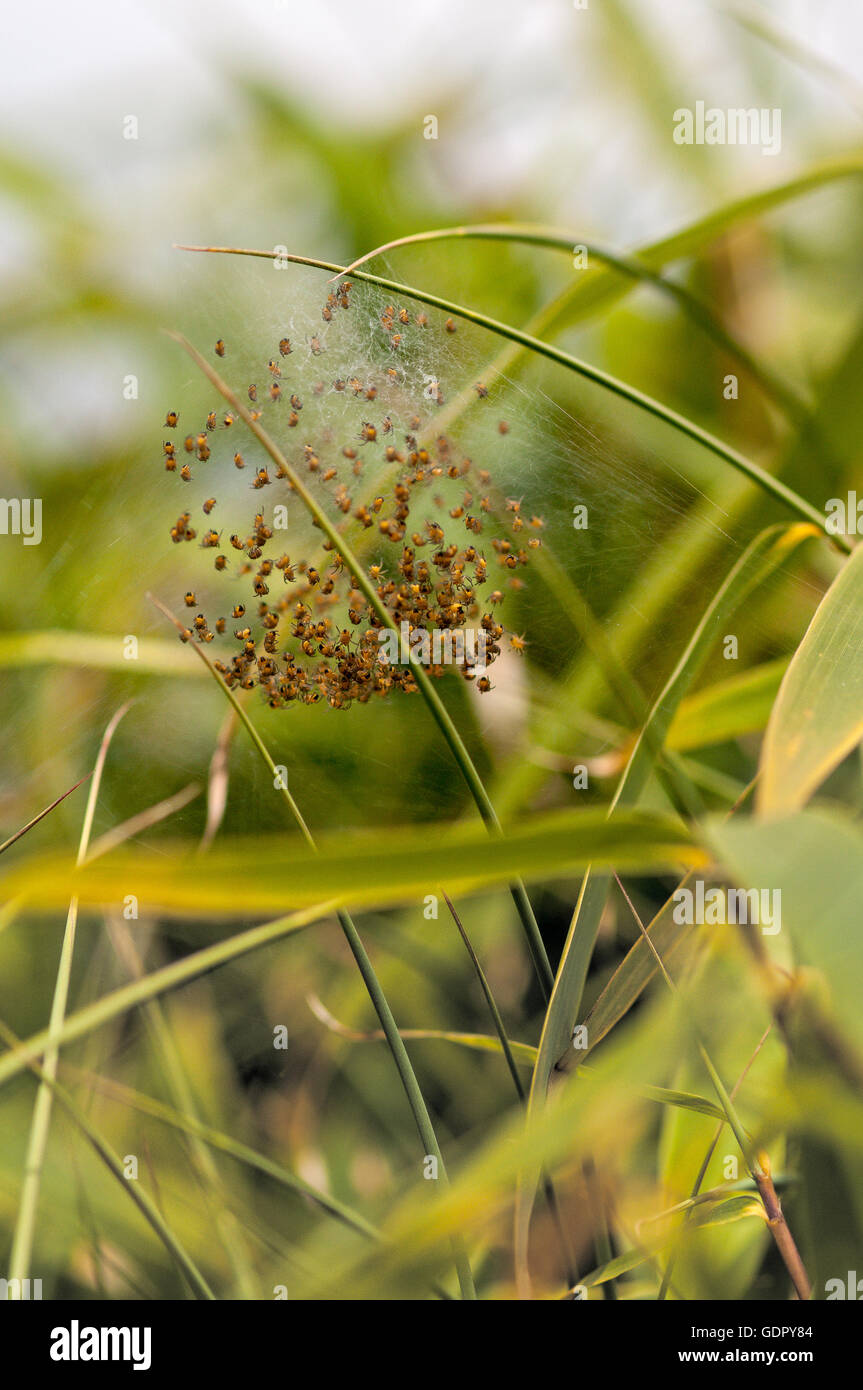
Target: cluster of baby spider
<point>318,637</point>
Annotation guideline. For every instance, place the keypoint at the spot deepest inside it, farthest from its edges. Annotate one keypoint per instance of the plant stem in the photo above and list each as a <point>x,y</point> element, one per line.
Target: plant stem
<point>705,1163</point>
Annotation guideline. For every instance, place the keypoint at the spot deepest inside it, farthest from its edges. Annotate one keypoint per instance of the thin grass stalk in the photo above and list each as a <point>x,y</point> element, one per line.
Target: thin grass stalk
<point>226,1144</point>
<point>41,816</point>
<point>705,1164</point>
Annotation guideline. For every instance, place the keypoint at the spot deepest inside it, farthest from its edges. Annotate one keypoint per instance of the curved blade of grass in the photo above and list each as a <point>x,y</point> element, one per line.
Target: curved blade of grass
<point>818,716</point>
<point>759,560</point>
<point>37,1142</point>
<point>426,687</point>
<point>790,401</point>
<point>599,289</point>
<point>218,777</point>
<point>523,1053</point>
<point>766,481</point>
<point>114,1163</point>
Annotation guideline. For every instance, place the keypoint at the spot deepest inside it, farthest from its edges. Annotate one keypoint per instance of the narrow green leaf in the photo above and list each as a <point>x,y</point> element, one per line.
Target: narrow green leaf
<point>366,869</point>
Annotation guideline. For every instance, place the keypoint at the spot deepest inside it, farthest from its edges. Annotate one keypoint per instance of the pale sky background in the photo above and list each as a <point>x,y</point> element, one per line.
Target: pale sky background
<point>546,115</point>
<point>541,116</point>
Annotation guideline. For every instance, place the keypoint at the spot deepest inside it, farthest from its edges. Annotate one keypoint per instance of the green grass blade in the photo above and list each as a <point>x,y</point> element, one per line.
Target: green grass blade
<point>728,709</point>
<point>791,401</point>
<point>363,869</point>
